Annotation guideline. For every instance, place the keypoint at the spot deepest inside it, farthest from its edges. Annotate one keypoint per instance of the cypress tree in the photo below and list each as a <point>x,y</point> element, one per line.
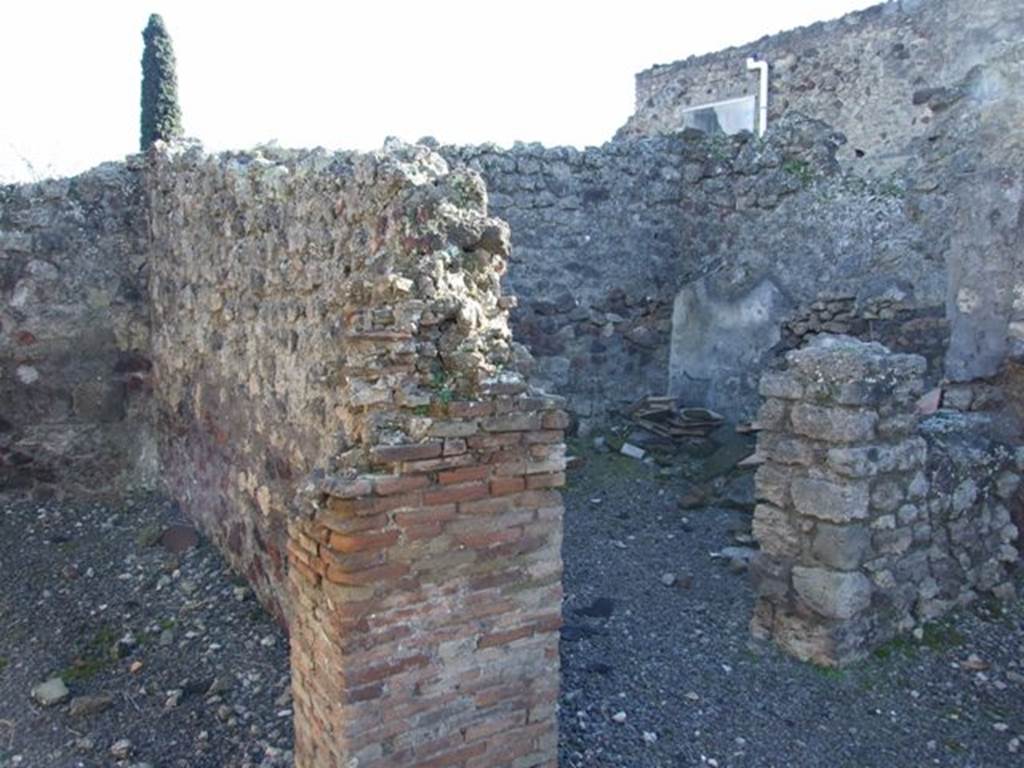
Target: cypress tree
<point>161,116</point>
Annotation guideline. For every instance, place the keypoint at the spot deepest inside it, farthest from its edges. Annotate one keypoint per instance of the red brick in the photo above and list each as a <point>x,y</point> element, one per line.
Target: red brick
<point>309,574</point>
<point>490,506</point>
<point>500,486</point>
<point>398,501</point>
<point>456,757</point>
<point>493,442</point>
<point>363,693</point>
<point>449,494</point>
<point>386,485</point>
<point>362,542</point>
<point>512,422</point>
<point>350,507</point>
<point>556,420</point>
<point>496,639</point>
<point>434,465</point>
<point>440,513</point>
<point>384,573</point>
<point>454,447</point>
<point>350,524</point>
<point>464,474</point>
<point>407,451</point>
<point>551,480</point>
<point>484,540</point>
<point>546,436</point>
<point>372,674</point>
<point>493,724</point>
<point>351,562</point>
<point>421,531</point>
<point>470,409</point>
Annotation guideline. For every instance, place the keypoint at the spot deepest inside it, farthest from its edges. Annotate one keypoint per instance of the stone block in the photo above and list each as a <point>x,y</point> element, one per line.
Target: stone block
<point>894,541</point>
<point>771,484</point>
<point>785,449</point>
<point>834,501</point>
<point>834,425</point>
<point>784,386</point>
<point>886,496</point>
<point>775,532</point>
<point>834,594</point>
<point>805,638</point>
<point>865,461</point>
<point>842,547</point>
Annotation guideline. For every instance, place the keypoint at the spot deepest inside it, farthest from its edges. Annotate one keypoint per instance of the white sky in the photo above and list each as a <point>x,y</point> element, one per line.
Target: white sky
<point>347,74</point>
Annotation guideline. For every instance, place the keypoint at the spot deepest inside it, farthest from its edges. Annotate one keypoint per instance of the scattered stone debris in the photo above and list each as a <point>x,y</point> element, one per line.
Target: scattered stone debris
<point>52,692</point>
<point>633,451</point>
<point>179,538</point>
<point>84,706</point>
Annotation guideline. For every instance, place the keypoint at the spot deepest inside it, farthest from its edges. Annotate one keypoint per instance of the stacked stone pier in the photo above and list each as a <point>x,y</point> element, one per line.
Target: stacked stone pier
<point>855,544</point>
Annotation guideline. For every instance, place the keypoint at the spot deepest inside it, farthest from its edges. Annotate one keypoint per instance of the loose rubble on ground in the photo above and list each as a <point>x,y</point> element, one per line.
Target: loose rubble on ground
<point>126,642</point>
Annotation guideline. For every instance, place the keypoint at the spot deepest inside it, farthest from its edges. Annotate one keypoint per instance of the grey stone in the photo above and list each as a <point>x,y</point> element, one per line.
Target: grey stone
<point>121,749</point>
<point>1007,484</point>
<point>84,706</point>
<point>838,502</point>
<point>781,385</point>
<point>634,452</point>
<point>965,495</point>
<point>774,532</point>
<point>771,484</point>
<point>894,541</point>
<point>835,425</point>
<point>841,546</point>
<point>886,495</point>
<point>833,594</point>
<point>865,461</point>
<point>51,692</point>
<point>784,449</point>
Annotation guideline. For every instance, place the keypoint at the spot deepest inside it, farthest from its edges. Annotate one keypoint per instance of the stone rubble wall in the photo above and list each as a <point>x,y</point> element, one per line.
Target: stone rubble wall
<point>597,247</point>
<point>868,524</point>
<point>880,75</point>
<point>617,245</point>
<point>341,407</point>
<point>74,337</point>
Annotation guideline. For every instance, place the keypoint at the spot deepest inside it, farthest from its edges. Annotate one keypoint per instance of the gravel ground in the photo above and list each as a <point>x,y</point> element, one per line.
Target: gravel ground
<point>654,674</point>
<point>658,675</point>
<point>180,659</point>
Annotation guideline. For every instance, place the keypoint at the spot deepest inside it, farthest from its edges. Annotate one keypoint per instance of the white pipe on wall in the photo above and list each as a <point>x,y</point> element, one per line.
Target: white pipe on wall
<point>762,95</point>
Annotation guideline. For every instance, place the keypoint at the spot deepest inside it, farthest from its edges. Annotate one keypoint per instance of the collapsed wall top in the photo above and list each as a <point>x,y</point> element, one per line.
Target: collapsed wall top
<point>308,307</point>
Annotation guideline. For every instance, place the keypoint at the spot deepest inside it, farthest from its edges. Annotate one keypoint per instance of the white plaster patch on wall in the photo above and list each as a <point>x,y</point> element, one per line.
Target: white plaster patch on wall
<point>21,294</point>
<point>27,374</point>
<point>967,301</point>
<point>44,270</point>
<point>1018,297</point>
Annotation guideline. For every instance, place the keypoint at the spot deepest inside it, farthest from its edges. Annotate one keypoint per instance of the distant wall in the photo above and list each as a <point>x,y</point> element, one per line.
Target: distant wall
<point>879,75</point>
<point>74,367</point>
<point>597,248</point>
<point>687,263</point>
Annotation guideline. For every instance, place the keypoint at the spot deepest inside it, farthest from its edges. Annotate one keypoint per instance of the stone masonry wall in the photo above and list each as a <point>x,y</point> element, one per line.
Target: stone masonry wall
<point>861,534</point>
<point>685,263</point>
<point>598,248</point>
<point>880,76</point>
<point>74,337</point>
<point>338,391</point>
